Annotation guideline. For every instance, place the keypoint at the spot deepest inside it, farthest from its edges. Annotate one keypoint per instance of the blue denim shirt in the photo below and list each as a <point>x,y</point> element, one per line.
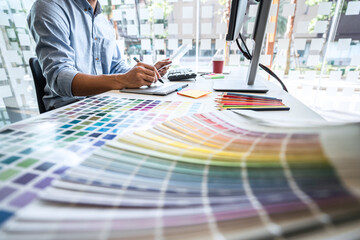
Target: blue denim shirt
<point>70,38</point>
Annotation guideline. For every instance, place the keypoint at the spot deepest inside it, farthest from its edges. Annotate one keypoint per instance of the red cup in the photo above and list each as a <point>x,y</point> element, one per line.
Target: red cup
<point>218,66</point>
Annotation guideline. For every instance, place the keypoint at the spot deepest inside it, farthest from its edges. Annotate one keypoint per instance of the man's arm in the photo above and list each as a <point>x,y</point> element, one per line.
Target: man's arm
<point>51,31</point>
<point>140,75</point>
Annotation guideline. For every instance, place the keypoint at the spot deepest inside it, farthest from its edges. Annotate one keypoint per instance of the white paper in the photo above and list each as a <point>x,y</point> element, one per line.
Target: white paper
<point>188,41</point>
<point>159,29</point>
<point>310,76</point>
<point>159,44</point>
<point>28,55</point>
<point>355,60</point>
<point>13,57</point>
<point>11,33</point>
<point>117,14</point>
<point>234,46</point>
<point>187,28</point>
<point>131,30</point>
<point>273,10</point>
<point>145,44</point>
<point>220,44</point>
<point>335,75</point>
<point>281,60</point>
<point>221,28</point>
<point>283,44</point>
<point>288,10</point>
<point>187,12</point>
<point>116,2</point>
<point>3,76</point>
<point>353,8</point>
<point>206,28</point>
<point>173,44</point>
<point>158,13</point>
<point>130,14</point>
<point>103,2</point>
<point>129,2</point>
<point>145,29</point>
<point>173,29</point>
<point>253,10</point>
<point>352,76</point>
<point>313,60</point>
<point>300,44</point>
<point>250,27</point>
<point>24,39</point>
<point>344,44</point>
<point>4,19</point>
<point>205,44</point>
<point>20,20</point>
<point>207,12</point>
<point>160,57</point>
<point>320,26</point>
<point>302,27</point>
<point>144,13</point>
<point>270,27</point>
<point>324,8</point>
<point>15,4</point>
<point>265,59</point>
<point>316,44</point>
<point>148,59</point>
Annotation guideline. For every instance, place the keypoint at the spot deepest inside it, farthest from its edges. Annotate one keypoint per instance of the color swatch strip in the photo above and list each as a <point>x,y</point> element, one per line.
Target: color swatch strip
<point>238,101</point>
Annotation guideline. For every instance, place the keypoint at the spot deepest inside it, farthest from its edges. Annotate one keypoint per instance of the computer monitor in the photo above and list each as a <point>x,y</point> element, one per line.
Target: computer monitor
<point>236,22</point>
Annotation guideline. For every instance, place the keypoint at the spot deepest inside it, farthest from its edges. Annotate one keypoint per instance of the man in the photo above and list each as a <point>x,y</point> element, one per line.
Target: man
<point>76,48</point>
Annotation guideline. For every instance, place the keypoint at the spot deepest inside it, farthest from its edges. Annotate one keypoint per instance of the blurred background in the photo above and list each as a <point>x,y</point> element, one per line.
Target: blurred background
<point>312,45</point>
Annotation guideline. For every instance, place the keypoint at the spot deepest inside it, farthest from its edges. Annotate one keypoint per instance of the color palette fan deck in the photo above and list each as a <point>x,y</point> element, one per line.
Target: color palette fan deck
<point>203,176</point>
<point>36,151</point>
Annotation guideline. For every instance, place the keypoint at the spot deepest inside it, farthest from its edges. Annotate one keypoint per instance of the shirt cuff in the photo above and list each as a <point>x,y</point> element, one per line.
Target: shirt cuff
<point>65,78</point>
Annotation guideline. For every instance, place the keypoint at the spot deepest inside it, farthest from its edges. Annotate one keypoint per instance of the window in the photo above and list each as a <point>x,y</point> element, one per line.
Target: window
<point>313,45</point>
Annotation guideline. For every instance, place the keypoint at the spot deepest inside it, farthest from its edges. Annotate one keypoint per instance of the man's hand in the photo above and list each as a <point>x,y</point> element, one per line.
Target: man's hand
<point>162,67</point>
<point>140,75</point>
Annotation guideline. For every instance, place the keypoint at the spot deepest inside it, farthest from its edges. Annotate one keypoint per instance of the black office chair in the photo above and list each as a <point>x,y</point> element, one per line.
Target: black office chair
<point>40,82</point>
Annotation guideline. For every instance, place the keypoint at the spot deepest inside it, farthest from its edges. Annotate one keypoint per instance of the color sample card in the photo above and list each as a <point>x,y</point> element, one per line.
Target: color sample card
<point>238,101</point>
<point>36,151</point>
<point>206,176</point>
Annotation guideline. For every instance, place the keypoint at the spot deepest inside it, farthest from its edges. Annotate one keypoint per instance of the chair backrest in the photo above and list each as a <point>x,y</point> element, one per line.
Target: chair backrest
<point>39,81</point>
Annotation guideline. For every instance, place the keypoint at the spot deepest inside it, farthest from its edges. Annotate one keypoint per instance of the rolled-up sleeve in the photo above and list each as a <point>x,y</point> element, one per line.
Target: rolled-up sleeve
<point>51,30</point>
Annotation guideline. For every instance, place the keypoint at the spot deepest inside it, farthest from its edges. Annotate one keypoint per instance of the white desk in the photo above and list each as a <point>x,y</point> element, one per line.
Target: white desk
<point>298,111</point>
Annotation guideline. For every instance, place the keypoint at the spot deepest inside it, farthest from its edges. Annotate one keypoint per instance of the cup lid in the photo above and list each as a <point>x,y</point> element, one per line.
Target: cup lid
<point>218,58</point>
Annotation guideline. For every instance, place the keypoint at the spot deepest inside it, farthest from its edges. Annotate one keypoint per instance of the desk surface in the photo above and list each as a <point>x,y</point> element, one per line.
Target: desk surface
<point>298,111</point>
<point>33,155</point>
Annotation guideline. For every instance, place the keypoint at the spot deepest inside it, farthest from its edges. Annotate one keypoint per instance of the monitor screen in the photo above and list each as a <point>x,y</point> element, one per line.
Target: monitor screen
<point>237,16</point>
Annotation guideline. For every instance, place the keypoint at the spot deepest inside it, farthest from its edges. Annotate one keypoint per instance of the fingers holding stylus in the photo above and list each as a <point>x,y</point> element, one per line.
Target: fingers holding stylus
<point>150,71</point>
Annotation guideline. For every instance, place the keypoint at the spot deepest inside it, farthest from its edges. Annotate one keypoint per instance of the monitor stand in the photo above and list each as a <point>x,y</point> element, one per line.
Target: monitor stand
<point>239,86</point>
<point>249,84</point>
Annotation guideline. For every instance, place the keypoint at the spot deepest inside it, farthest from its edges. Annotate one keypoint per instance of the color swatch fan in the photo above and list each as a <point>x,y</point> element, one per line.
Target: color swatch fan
<point>205,176</point>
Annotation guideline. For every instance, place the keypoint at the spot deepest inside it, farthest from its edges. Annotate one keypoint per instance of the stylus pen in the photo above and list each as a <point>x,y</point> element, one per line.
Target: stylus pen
<point>137,60</point>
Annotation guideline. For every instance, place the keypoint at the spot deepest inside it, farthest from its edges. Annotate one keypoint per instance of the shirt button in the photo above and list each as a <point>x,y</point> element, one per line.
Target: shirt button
<point>85,9</point>
<point>97,59</point>
<point>95,38</point>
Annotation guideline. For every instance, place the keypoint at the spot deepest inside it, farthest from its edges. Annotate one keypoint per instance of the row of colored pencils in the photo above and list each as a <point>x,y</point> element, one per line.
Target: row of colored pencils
<point>238,101</point>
